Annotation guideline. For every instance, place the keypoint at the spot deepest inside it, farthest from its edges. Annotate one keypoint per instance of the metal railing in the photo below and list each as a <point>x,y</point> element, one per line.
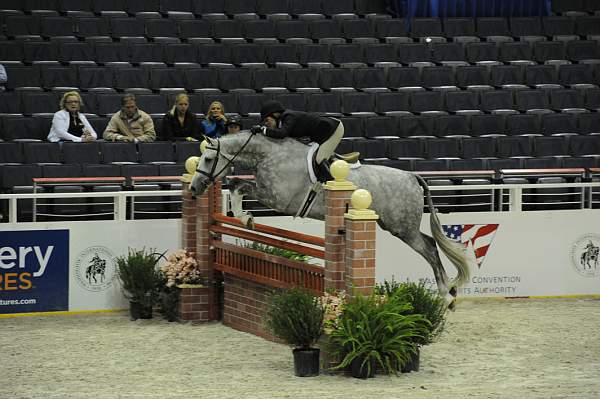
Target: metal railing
<point>133,205</point>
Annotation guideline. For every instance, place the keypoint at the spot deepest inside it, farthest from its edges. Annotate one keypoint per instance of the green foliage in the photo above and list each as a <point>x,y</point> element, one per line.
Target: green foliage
<point>285,253</point>
<point>168,298</point>
<point>139,275</point>
<point>295,316</point>
<point>376,328</point>
<point>423,301</point>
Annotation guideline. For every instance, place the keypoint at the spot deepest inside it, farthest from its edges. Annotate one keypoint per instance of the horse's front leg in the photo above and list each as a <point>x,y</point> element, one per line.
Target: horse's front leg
<point>240,188</point>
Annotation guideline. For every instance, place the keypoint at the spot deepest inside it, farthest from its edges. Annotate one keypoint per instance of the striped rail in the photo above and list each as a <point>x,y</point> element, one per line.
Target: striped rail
<point>270,270</point>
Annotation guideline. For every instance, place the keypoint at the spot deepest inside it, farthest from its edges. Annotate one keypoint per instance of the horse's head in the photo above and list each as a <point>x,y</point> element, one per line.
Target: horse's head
<point>211,166</point>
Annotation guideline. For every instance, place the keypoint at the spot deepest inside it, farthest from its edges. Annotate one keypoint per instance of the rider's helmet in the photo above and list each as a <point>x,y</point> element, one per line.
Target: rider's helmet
<point>269,108</point>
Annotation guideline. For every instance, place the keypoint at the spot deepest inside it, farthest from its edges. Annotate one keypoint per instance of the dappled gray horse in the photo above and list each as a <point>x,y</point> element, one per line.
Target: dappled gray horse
<point>282,180</point>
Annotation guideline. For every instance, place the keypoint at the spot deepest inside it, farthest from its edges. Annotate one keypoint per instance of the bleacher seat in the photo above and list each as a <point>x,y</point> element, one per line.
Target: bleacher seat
<point>559,124</point>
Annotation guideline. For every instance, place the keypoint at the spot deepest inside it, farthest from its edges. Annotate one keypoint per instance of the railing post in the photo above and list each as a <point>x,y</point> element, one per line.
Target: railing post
<point>360,244</point>
<point>516,199</point>
<point>337,198</point>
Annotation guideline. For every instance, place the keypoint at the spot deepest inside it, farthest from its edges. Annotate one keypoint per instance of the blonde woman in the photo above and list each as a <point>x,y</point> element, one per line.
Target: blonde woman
<point>214,124</point>
<point>68,124</point>
<point>179,123</point>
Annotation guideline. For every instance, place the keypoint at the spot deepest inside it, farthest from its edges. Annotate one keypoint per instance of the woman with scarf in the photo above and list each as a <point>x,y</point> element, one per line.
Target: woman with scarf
<point>213,125</point>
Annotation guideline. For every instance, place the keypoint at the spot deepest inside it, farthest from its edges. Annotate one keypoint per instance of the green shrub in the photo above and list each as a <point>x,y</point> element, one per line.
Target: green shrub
<point>422,301</point>
<point>139,275</point>
<point>376,328</point>
<point>285,253</point>
<point>295,316</point>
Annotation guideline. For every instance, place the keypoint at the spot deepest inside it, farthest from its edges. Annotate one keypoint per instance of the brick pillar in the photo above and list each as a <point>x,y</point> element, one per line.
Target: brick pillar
<point>337,198</point>
<point>199,303</point>
<point>194,304</point>
<point>206,205</point>
<point>360,244</point>
<point>188,220</point>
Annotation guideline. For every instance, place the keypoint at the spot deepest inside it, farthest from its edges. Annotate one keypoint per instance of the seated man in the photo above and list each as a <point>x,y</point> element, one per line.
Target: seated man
<point>280,123</point>
<point>130,124</point>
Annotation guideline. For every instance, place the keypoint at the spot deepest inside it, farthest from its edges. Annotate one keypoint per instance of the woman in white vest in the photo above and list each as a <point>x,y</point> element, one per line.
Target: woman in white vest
<point>68,124</point>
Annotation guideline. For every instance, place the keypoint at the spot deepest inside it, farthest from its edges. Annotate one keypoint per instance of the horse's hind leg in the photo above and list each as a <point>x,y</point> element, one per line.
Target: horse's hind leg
<point>426,247</point>
<point>239,188</point>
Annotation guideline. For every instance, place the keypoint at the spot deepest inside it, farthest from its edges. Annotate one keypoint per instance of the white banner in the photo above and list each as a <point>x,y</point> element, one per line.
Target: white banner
<point>513,254</point>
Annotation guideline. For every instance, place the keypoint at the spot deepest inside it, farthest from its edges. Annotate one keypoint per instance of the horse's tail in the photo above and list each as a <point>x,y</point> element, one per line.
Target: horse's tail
<point>454,251</point>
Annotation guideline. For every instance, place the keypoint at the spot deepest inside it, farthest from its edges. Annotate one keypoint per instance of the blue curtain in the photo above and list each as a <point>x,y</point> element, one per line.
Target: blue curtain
<point>477,8</point>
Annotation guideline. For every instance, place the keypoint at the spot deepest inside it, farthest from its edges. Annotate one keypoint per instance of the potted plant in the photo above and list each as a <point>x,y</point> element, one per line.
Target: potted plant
<point>138,275</point>
<point>296,317</point>
<point>422,301</point>
<point>375,332</point>
<point>180,270</point>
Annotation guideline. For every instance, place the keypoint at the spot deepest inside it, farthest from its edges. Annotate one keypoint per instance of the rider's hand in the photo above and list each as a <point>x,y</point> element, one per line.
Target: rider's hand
<point>257,129</point>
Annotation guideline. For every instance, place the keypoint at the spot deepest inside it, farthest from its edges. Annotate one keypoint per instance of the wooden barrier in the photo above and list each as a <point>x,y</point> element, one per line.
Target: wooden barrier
<point>241,278</point>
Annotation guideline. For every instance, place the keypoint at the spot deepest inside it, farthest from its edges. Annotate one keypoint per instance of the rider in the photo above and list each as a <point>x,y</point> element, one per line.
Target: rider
<point>278,122</point>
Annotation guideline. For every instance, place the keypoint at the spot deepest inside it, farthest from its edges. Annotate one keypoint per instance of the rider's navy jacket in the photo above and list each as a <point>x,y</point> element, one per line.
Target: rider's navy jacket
<point>302,124</point>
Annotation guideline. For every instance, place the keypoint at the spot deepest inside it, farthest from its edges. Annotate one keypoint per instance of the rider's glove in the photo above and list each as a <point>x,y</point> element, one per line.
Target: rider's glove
<point>258,129</point>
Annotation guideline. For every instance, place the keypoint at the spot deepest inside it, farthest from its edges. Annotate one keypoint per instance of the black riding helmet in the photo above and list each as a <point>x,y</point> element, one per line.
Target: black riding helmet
<point>269,108</point>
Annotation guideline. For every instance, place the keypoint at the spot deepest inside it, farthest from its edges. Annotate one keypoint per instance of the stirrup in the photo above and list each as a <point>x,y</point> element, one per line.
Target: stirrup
<point>309,200</point>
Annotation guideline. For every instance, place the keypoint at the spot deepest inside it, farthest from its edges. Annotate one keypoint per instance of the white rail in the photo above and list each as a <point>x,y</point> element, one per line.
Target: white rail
<point>451,198</point>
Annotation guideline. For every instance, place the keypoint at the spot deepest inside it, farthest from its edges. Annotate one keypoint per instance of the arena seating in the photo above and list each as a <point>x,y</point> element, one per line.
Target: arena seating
<point>446,94</point>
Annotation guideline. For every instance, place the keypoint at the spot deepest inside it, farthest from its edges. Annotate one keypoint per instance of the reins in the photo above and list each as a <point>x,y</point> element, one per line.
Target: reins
<point>212,175</point>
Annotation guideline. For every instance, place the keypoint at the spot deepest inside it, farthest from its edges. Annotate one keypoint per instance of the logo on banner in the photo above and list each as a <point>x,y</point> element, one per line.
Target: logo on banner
<point>584,255</point>
<point>95,268</point>
<point>478,237</point>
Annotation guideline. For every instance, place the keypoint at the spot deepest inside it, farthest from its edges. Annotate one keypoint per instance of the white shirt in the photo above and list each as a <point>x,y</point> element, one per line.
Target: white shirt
<point>60,127</point>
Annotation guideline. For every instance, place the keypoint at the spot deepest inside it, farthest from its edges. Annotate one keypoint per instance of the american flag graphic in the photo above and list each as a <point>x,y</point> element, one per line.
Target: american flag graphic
<point>480,236</point>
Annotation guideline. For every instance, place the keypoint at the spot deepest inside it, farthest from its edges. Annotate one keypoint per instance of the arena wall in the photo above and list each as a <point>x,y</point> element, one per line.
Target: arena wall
<point>529,254</point>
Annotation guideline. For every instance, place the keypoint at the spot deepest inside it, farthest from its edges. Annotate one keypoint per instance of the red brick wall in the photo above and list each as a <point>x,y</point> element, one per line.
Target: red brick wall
<point>194,304</point>
<point>360,256</point>
<point>244,306</point>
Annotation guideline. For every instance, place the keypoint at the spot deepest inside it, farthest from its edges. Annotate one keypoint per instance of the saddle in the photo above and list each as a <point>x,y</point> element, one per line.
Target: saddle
<point>321,174</point>
<point>321,170</point>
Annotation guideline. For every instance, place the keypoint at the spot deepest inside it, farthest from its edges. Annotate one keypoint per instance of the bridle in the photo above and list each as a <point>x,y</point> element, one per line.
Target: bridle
<point>211,175</point>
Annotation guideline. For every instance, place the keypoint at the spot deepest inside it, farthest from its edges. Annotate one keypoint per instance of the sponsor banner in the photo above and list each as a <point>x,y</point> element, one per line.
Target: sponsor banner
<point>90,259</point>
<point>511,254</point>
<point>34,271</point>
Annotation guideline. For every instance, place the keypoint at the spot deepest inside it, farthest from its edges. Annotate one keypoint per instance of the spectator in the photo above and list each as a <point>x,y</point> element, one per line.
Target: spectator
<point>179,123</point>
<point>234,124</point>
<point>68,124</point>
<point>130,123</point>
<point>213,125</point>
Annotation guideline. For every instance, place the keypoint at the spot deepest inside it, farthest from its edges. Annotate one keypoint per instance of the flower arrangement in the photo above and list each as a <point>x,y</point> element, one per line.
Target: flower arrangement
<point>333,304</point>
<point>181,268</point>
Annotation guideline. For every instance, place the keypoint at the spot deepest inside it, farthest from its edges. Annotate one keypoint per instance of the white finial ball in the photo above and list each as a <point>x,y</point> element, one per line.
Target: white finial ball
<point>191,164</point>
<point>203,146</point>
<point>361,199</point>
<point>340,170</point>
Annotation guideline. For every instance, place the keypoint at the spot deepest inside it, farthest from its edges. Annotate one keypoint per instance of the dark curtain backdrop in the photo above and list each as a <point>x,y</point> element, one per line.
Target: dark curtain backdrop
<point>476,8</point>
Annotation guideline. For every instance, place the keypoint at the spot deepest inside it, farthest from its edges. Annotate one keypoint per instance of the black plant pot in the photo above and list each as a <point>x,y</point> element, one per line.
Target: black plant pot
<point>413,362</point>
<point>358,370</point>
<point>139,311</point>
<point>306,362</point>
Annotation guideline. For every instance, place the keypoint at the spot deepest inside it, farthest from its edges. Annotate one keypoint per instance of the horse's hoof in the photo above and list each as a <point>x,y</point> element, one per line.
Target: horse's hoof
<point>453,291</point>
<point>248,221</point>
<point>452,306</point>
